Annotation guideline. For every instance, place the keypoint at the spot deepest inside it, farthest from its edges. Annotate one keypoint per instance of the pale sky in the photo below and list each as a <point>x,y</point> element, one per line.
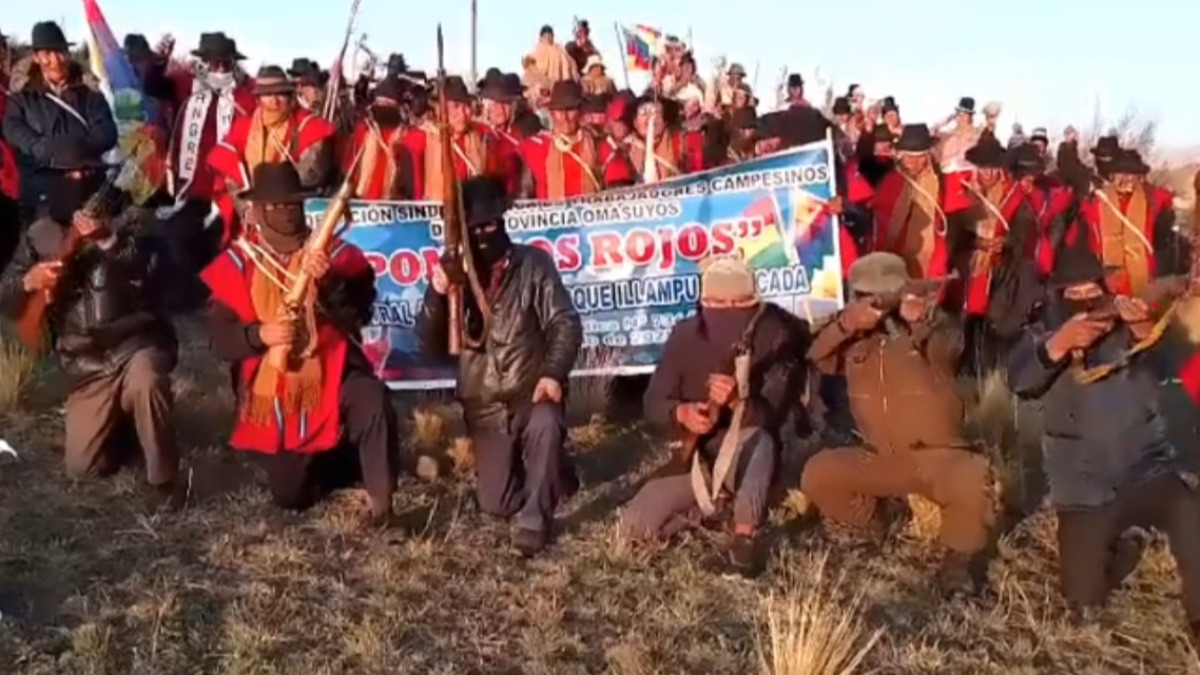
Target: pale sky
<point>1051,63</point>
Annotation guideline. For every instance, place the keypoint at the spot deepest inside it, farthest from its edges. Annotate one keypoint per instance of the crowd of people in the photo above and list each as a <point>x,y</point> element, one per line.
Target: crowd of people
<point>961,252</point>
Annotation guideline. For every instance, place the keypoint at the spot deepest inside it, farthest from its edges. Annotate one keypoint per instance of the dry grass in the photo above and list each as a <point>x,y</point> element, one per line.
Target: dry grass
<point>811,629</point>
<point>17,371</point>
<point>90,582</point>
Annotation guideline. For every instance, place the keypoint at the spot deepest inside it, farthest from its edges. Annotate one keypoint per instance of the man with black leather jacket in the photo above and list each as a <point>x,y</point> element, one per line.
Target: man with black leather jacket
<point>115,345</point>
<point>512,373</point>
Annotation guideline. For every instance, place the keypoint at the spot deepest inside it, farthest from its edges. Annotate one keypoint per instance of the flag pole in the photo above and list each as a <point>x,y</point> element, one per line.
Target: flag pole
<point>622,47</point>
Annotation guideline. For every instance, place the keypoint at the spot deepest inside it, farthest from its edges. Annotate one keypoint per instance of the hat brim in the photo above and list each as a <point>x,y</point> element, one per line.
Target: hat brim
<point>51,46</point>
<point>498,95</point>
<point>210,55</point>
<point>275,89</point>
<point>289,198</point>
<point>565,105</point>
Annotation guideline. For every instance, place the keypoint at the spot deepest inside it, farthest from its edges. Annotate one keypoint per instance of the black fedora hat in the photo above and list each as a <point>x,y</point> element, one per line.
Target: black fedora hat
<point>565,95</point>
<point>396,64</point>
<point>1129,162</point>
<point>987,153</point>
<point>217,47</point>
<point>966,105</point>
<point>48,36</point>
<point>493,74</point>
<point>915,139</point>
<point>277,183</point>
<point>795,80</point>
<point>1106,146</point>
<point>456,90</point>
<point>272,81</point>
<point>484,199</point>
<point>882,133</point>
<point>500,88</point>
<point>841,106</point>
<point>889,105</point>
<point>305,69</point>
<point>136,46</point>
<point>1026,160</point>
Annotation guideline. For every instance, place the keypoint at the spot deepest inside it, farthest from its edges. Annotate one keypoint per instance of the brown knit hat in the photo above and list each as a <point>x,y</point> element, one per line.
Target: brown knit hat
<point>727,280</point>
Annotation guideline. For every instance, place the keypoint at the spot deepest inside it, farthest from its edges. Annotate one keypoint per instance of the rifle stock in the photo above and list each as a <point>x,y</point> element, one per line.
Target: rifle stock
<point>452,261</point>
<point>31,317</point>
<point>283,357</point>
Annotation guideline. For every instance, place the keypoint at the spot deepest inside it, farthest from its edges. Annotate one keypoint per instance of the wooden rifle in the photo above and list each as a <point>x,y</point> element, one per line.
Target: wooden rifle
<point>31,316</point>
<point>299,302</point>
<point>889,303</point>
<point>457,262</point>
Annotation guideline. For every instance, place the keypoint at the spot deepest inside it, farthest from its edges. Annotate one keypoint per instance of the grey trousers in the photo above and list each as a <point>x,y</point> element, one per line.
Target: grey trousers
<point>525,473</point>
<point>666,505</point>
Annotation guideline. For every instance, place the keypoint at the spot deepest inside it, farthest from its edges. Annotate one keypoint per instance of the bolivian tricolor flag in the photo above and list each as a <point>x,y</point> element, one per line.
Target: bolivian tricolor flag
<point>775,244</point>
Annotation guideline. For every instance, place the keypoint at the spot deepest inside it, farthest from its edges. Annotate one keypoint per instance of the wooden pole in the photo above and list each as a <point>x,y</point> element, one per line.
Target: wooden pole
<point>474,42</point>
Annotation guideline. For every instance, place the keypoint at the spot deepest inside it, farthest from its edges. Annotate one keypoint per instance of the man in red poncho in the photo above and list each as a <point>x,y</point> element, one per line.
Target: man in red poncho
<point>563,162</point>
<point>327,420</point>
<point>386,169</point>
<point>279,130</point>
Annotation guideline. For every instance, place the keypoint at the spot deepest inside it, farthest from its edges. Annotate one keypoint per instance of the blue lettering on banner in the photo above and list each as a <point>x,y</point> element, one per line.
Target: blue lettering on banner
<point>629,258</point>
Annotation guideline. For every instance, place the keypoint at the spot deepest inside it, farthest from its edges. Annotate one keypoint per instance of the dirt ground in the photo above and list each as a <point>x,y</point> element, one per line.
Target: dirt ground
<point>93,582</point>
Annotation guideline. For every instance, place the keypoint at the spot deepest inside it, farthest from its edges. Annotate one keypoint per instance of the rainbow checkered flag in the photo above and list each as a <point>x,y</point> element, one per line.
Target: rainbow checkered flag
<point>643,45</point>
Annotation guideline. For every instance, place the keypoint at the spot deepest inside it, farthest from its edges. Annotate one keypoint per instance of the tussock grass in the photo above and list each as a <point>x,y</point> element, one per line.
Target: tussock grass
<point>811,627</point>
<point>18,369</point>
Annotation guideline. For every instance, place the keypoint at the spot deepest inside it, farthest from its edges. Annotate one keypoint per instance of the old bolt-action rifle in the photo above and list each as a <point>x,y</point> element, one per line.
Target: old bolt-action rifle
<point>457,262</point>
<point>300,302</point>
<point>31,317</point>
<point>889,303</point>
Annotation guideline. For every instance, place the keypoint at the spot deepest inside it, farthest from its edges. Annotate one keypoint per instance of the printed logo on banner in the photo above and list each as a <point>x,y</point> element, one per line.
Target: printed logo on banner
<point>629,258</point>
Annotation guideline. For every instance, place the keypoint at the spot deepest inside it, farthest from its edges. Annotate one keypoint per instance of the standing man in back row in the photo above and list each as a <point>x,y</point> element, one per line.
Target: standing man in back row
<point>60,125</point>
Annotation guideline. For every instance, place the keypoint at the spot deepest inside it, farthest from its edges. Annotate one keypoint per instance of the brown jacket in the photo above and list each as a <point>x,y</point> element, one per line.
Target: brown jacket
<point>902,389</point>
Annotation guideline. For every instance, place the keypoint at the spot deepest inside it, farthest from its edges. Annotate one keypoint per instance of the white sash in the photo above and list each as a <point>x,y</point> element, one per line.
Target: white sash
<point>65,106</point>
<point>195,114</point>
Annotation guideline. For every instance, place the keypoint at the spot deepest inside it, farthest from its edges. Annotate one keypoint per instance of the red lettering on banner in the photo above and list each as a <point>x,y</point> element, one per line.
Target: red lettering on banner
<point>406,267</point>
<point>606,249</point>
<point>433,258</point>
<point>569,258</point>
<point>723,242</point>
<point>378,262</point>
<point>641,246</point>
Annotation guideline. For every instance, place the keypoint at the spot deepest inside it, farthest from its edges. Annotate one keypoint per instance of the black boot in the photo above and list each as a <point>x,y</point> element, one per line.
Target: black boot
<point>745,556</point>
<point>529,542</point>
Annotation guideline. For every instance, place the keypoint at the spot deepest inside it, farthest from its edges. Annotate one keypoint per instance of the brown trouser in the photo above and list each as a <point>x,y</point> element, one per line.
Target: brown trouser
<point>1086,537</point>
<point>846,484</point>
<point>137,394</point>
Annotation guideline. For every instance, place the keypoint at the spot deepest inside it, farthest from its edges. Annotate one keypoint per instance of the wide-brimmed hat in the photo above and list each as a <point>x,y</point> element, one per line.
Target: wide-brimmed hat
<point>593,61</point>
<point>565,95</point>
<point>277,183</point>
<point>1129,162</point>
<point>914,138</point>
<point>841,106</point>
<point>1106,146</point>
<point>889,105</point>
<point>217,47</point>
<point>594,104</point>
<point>396,64</point>
<point>965,105</point>
<point>878,273</point>
<point>1075,265</point>
<point>272,81</point>
<point>737,69</point>
<point>48,36</point>
<point>987,153</point>
<point>390,88</point>
<point>501,87</point>
<point>306,70</point>
<point>882,133</point>
<point>484,199</point>
<point>1026,160</point>
<point>456,90</point>
<point>795,80</point>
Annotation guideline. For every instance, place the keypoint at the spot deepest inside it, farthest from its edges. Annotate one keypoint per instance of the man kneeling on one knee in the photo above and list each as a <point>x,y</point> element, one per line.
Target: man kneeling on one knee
<point>728,379</point>
<point>112,338</point>
<point>899,367</point>
<point>318,419</point>
<point>520,341</point>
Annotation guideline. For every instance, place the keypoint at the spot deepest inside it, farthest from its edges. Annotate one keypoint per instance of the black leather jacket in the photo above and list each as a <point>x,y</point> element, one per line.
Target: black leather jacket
<point>535,333</point>
<point>107,305</point>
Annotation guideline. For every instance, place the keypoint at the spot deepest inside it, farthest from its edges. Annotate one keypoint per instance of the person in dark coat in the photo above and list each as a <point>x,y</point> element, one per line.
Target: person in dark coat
<point>695,393</point>
<point>1110,462</point>
<point>518,351</point>
<point>61,125</point>
<point>113,339</point>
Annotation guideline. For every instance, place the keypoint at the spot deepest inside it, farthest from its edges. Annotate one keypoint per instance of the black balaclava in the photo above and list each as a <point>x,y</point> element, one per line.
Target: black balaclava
<point>387,116</point>
<point>284,227</point>
<point>488,247</point>
<point>724,326</point>
<point>65,196</point>
<point>1075,265</point>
